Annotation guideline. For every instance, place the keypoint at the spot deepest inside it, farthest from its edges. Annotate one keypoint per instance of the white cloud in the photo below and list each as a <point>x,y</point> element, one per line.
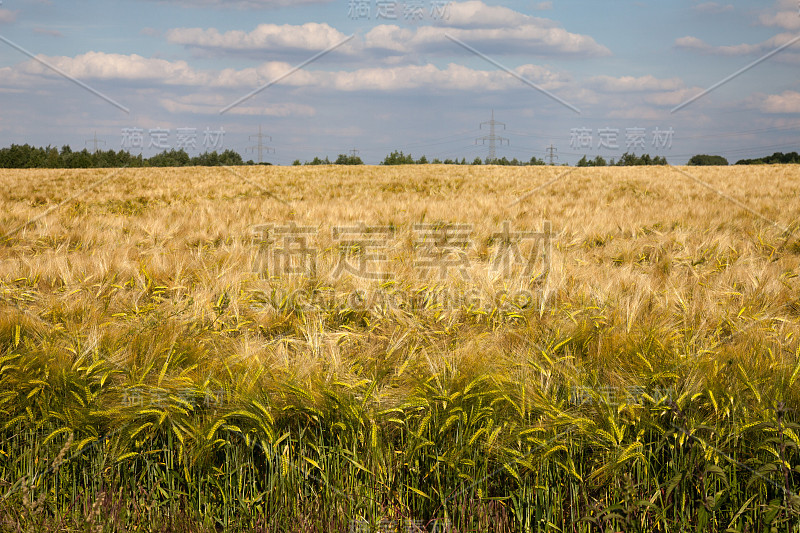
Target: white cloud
<point>542,6</point>
<point>210,104</point>
<point>637,113</point>
<point>786,102</point>
<point>389,37</point>
<point>712,8</point>
<point>310,36</point>
<point>530,39</point>
<point>584,96</point>
<point>242,4</point>
<point>786,15</point>
<point>673,98</point>
<point>49,33</point>
<point>454,77</point>
<point>135,68</point>
<point>7,16</point>
<point>494,30</point>
<point>476,14</point>
<point>9,76</point>
<point>99,65</point>
<point>693,43</point>
<point>634,84</point>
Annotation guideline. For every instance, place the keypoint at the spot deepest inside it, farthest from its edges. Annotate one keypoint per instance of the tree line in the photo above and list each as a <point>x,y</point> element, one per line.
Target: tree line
<point>627,160</point>
<point>400,158</point>
<point>27,156</point>
<point>778,158</point>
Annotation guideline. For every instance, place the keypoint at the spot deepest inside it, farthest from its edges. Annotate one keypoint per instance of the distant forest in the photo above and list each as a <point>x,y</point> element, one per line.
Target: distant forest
<point>27,156</point>
<point>778,158</point>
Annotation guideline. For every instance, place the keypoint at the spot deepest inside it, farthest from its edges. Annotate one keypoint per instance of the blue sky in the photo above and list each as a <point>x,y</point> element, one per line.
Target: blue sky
<point>400,82</point>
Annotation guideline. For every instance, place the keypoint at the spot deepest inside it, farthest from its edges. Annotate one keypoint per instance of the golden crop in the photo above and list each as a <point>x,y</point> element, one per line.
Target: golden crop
<point>650,353</point>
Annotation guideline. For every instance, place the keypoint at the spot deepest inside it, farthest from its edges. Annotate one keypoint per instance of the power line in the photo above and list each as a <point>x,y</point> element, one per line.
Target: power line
<point>260,146</point>
<point>95,142</point>
<point>551,154</point>
<point>538,136</point>
<point>492,138</point>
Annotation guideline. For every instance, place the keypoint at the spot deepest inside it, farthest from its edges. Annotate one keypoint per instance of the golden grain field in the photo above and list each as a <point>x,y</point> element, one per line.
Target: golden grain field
<point>336,348</point>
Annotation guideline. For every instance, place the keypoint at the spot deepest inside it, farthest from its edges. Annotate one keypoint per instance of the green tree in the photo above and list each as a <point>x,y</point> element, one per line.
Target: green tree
<point>398,158</point>
<point>629,160</point>
<point>229,158</point>
<point>778,158</point>
<point>345,159</point>
<point>707,160</point>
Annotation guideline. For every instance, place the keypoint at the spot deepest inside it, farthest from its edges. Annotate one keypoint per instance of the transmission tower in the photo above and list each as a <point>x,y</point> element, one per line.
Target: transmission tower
<point>95,142</point>
<point>492,137</point>
<point>354,152</point>
<point>260,147</point>
<point>551,154</point>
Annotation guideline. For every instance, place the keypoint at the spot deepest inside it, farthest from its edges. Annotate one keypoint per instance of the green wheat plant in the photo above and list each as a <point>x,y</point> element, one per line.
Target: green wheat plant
<point>157,373</point>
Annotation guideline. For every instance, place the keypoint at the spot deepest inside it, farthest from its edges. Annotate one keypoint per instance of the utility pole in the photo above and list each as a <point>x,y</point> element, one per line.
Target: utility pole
<point>551,154</point>
<point>95,142</point>
<point>354,152</point>
<point>492,137</point>
<point>260,147</point>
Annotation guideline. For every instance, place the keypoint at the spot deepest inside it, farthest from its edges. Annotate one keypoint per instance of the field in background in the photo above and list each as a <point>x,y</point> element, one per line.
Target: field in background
<point>636,367</point>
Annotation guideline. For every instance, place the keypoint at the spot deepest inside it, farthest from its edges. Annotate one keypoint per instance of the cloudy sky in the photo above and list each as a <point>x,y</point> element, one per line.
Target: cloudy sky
<point>587,77</point>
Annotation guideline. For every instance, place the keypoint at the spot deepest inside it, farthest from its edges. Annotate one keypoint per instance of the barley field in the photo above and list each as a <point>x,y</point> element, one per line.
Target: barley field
<point>420,348</point>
